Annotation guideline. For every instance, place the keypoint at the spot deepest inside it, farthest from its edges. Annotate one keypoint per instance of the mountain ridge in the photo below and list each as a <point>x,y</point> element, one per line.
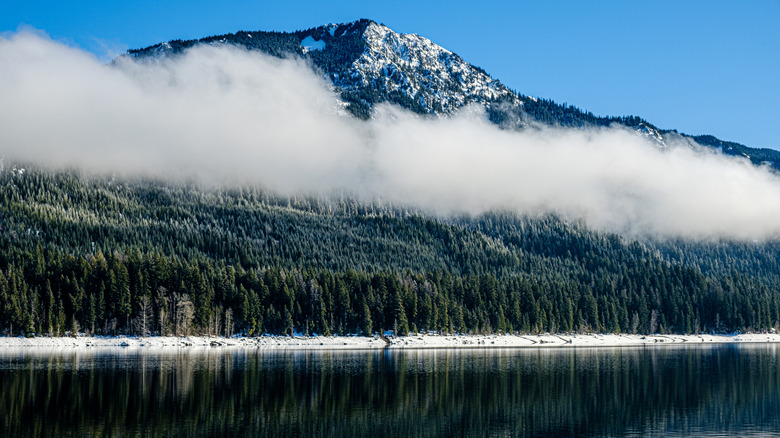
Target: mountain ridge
<point>112,254</point>
<point>368,63</point>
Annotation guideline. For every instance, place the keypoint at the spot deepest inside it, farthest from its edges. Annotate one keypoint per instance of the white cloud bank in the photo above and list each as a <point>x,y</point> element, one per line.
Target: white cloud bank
<point>232,116</point>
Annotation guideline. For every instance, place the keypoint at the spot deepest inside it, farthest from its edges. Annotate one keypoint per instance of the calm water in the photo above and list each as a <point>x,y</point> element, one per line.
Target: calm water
<point>695,390</point>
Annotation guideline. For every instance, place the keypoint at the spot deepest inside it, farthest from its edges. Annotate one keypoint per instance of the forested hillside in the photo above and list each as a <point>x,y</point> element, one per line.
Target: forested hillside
<point>108,255</point>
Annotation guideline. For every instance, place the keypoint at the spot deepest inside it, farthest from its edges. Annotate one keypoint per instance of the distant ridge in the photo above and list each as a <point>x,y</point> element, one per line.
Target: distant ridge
<point>370,64</point>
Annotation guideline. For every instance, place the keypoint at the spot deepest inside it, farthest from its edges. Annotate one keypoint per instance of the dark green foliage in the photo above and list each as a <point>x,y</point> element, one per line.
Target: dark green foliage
<point>106,255</point>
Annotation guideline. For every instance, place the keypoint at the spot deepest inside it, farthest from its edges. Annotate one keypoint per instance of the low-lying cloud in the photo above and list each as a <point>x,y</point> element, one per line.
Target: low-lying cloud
<point>230,116</point>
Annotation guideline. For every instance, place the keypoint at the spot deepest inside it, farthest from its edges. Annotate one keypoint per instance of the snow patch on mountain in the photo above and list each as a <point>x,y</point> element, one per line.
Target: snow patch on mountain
<point>424,72</point>
<point>652,134</point>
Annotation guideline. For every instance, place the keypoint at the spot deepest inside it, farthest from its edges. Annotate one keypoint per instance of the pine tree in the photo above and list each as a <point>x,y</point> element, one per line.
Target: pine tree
<point>366,324</point>
<point>401,324</point>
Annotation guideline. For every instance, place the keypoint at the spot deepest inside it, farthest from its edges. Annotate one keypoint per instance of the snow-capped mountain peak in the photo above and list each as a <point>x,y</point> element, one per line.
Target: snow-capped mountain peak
<point>368,63</point>
<point>436,79</point>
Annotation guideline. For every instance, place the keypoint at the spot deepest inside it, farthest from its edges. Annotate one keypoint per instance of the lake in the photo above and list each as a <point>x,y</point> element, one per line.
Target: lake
<point>711,390</point>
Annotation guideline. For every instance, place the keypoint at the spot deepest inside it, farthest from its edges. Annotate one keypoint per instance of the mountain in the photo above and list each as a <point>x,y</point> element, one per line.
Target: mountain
<point>105,254</point>
<point>368,63</point>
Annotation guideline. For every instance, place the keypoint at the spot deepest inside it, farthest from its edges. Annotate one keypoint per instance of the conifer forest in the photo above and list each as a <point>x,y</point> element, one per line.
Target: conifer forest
<point>108,255</point>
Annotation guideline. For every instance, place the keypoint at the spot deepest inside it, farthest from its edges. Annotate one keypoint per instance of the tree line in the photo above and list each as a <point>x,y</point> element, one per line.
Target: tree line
<point>107,255</point>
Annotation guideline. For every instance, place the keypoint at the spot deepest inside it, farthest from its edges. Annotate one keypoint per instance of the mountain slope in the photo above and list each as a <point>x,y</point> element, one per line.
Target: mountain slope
<point>369,63</point>
<point>107,255</point>
<point>80,252</point>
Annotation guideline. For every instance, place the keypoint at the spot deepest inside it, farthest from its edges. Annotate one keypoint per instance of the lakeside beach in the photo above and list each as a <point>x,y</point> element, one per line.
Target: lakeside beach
<point>418,341</point>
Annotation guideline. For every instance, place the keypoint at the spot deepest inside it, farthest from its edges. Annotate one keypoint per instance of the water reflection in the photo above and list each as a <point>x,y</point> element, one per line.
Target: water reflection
<point>695,390</point>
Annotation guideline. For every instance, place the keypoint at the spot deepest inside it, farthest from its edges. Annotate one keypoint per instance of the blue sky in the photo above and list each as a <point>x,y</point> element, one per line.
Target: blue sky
<point>702,67</point>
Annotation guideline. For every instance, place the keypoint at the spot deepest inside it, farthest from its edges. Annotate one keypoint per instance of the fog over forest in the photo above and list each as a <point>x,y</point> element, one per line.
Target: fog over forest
<point>228,116</point>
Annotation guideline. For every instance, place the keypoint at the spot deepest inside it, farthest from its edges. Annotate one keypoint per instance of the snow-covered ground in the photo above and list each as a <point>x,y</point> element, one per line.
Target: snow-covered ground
<point>263,342</point>
<point>404,342</point>
<point>568,341</point>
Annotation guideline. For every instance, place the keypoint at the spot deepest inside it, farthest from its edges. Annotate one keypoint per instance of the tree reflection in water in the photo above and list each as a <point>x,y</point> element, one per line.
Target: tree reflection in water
<point>532,392</point>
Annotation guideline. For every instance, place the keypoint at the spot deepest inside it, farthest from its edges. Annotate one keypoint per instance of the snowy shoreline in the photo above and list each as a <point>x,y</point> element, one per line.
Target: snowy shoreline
<point>427,341</point>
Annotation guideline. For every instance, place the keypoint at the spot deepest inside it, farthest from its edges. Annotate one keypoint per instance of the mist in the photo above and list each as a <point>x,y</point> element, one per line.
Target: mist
<point>228,116</point>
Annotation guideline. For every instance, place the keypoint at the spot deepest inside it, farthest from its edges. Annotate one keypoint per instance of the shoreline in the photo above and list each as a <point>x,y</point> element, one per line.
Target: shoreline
<point>411,342</point>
